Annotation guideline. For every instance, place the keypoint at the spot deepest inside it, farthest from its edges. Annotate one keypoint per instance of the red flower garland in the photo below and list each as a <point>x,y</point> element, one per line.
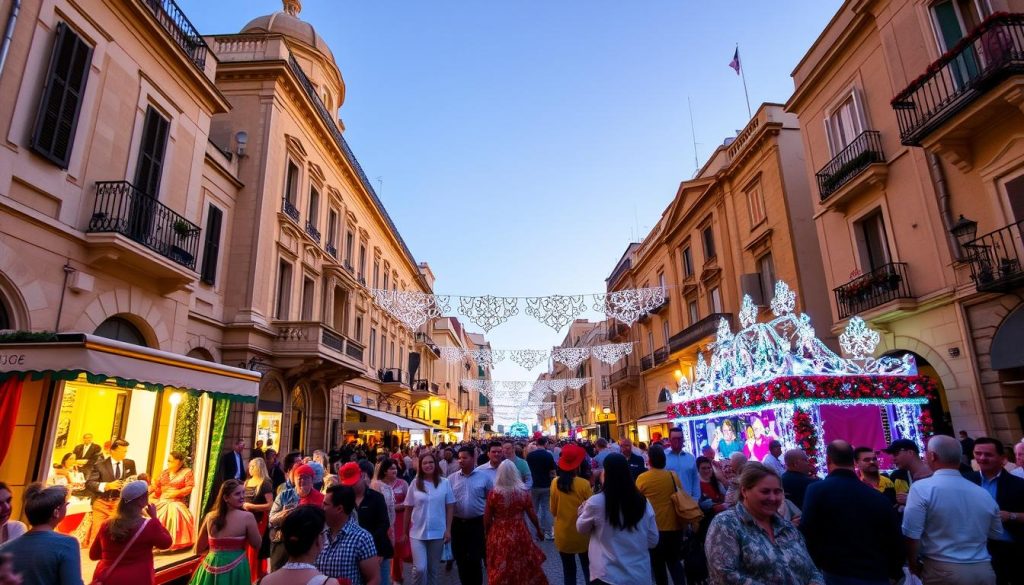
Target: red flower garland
<point>806,435</point>
<point>789,388</point>
<point>925,424</point>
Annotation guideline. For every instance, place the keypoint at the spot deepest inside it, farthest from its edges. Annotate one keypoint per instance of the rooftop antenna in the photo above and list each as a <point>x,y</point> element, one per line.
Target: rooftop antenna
<point>380,185</point>
<point>693,135</point>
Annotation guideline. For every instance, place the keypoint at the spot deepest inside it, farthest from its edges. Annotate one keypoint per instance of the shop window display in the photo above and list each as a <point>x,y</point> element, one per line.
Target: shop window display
<point>108,435</point>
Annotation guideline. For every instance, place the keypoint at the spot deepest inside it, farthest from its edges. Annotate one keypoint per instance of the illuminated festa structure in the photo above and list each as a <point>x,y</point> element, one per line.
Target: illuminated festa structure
<point>777,380</point>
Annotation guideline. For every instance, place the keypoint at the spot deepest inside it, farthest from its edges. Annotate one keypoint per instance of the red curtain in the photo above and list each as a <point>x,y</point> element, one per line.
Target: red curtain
<point>10,398</point>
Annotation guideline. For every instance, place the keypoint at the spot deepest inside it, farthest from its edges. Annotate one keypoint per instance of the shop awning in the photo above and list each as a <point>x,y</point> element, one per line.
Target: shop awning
<point>657,418</point>
<point>68,356</point>
<point>391,421</point>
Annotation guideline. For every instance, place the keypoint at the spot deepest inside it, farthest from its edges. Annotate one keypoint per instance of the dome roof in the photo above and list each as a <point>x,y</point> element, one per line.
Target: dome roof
<point>287,23</point>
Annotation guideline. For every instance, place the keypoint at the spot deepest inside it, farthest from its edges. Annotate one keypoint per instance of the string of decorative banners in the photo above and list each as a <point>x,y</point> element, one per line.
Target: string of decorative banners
<point>512,390</point>
<point>572,357</point>
<point>488,311</point>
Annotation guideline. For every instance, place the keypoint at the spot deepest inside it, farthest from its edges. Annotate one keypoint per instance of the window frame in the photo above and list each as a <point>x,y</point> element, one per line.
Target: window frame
<point>282,305</point>
<point>208,269</point>
<point>63,32</point>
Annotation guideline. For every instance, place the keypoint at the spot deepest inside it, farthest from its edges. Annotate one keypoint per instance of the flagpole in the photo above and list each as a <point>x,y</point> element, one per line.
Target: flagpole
<point>743,76</point>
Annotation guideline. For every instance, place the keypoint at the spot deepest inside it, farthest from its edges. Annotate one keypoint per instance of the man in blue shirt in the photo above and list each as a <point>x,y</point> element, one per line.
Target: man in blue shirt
<point>470,486</point>
<point>1008,492</point>
<point>42,556</point>
<point>683,463</point>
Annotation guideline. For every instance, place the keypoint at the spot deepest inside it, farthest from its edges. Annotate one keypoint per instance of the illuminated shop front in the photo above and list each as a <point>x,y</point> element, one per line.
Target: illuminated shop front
<point>73,394</point>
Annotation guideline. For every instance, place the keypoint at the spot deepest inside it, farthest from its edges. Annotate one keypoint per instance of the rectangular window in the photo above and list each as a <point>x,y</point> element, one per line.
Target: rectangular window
<point>349,244</point>
<point>149,168</point>
<point>715,300</point>
<point>314,207</point>
<point>766,269</point>
<point>665,331</point>
<point>376,274</point>
<point>694,311</point>
<point>373,347</point>
<point>391,357</point>
<point>362,261</point>
<point>661,281</point>
<point>384,351</point>
<point>871,242</point>
<point>284,290</point>
<point>386,277</point>
<point>687,261</point>
<point>211,247</point>
<point>755,205</point>
<point>844,123</point>
<point>59,108</point>
<point>291,185</point>
<point>650,342</point>
<point>332,229</point>
<point>1015,196</point>
<point>708,236</point>
<point>308,291</point>
<point>359,328</point>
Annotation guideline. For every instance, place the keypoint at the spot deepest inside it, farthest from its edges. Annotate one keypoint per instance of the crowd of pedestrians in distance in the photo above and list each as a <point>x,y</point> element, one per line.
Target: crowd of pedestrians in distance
<point>619,513</point>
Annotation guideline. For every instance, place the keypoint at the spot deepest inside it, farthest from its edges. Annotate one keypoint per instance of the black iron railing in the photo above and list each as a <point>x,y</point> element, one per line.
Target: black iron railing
<point>312,232</point>
<point>699,330</point>
<point>660,356</point>
<point>332,127</point>
<point>289,209</point>
<point>425,386</point>
<point>883,284</point>
<point>354,349</point>
<point>624,374</point>
<point>865,150</point>
<point>997,259</point>
<point>348,266</point>
<point>333,340</point>
<point>361,279</point>
<point>990,53</point>
<point>393,376</point>
<point>122,208</point>
<point>174,21</point>
<point>332,250</point>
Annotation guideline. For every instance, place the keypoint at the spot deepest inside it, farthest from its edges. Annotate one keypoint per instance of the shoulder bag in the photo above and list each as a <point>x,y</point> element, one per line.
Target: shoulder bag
<point>686,508</point>
<point>117,561</point>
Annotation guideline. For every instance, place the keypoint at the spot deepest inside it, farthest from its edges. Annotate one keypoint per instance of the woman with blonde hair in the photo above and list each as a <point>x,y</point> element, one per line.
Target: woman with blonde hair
<point>259,497</point>
<point>506,531</point>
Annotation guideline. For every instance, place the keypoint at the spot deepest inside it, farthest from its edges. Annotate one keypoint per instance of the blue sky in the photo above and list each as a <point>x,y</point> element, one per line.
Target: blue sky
<point>522,144</point>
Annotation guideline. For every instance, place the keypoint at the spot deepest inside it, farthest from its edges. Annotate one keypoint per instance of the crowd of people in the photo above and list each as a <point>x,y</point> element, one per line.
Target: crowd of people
<point>618,514</point>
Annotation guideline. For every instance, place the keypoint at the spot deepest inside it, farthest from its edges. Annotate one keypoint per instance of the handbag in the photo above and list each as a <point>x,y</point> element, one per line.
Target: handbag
<point>110,569</point>
<point>686,508</point>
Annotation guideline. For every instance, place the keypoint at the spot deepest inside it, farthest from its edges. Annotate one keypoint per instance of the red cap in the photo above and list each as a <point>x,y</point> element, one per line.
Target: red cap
<point>304,470</point>
<point>571,457</point>
<point>350,474</point>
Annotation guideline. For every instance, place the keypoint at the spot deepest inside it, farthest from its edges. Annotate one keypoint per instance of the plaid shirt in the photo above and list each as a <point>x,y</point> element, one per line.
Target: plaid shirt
<point>340,557</point>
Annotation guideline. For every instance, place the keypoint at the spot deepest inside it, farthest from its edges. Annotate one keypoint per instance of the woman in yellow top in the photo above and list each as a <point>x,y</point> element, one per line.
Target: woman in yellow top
<point>657,485</point>
<point>568,492</point>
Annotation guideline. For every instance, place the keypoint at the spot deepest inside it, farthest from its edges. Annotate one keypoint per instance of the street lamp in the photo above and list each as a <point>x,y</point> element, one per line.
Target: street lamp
<point>965,231</point>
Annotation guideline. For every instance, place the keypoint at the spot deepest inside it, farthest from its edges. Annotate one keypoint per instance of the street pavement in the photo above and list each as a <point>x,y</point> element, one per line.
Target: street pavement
<point>552,568</point>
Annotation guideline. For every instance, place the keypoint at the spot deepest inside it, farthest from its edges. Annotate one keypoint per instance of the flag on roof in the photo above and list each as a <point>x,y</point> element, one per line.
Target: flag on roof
<point>735,63</point>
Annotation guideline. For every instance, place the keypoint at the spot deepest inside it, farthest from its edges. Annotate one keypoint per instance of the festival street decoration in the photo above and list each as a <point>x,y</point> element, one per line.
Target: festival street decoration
<point>776,380</point>
<point>518,388</point>
<point>572,357</point>
<point>556,311</point>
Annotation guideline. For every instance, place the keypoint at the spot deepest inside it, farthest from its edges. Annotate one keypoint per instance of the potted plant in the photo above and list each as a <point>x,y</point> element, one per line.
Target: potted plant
<point>182,228</point>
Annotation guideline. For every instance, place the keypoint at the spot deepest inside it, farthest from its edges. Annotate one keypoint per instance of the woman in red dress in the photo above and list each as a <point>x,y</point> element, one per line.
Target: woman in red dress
<point>512,556</point>
<point>388,475</point>
<point>173,489</point>
<point>128,528</point>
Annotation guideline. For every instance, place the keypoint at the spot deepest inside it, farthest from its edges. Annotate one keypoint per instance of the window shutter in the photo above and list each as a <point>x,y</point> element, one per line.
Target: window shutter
<point>211,248</point>
<point>151,153</point>
<point>61,102</point>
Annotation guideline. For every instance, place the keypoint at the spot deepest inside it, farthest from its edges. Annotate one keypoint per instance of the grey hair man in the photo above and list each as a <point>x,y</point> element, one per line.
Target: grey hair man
<point>736,462</point>
<point>948,521</point>
<point>799,474</point>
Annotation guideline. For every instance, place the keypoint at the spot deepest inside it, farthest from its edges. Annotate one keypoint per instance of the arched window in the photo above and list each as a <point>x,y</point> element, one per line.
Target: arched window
<point>5,316</point>
<point>664,395</point>
<point>121,330</point>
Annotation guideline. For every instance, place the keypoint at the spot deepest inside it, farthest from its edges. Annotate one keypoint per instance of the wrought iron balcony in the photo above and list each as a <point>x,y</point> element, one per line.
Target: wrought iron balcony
<point>660,356</point>
<point>122,208</point>
<point>883,284</point>
<point>997,259</point>
<point>865,150</point>
<point>990,53</point>
<point>177,25</point>
<point>312,231</point>
<point>627,375</point>
<point>361,279</point>
<point>332,250</point>
<point>290,210</point>
<point>348,266</point>
<point>706,327</point>
<point>394,379</point>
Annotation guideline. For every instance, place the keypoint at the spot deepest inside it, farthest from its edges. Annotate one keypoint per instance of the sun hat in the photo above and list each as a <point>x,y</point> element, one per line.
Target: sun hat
<point>571,457</point>
<point>350,474</point>
<point>133,490</point>
<point>304,470</point>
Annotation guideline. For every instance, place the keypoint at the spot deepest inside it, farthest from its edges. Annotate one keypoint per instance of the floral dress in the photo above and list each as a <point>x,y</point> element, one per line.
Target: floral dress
<point>739,551</point>
<point>173,491</point>
<point>513,558</point>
